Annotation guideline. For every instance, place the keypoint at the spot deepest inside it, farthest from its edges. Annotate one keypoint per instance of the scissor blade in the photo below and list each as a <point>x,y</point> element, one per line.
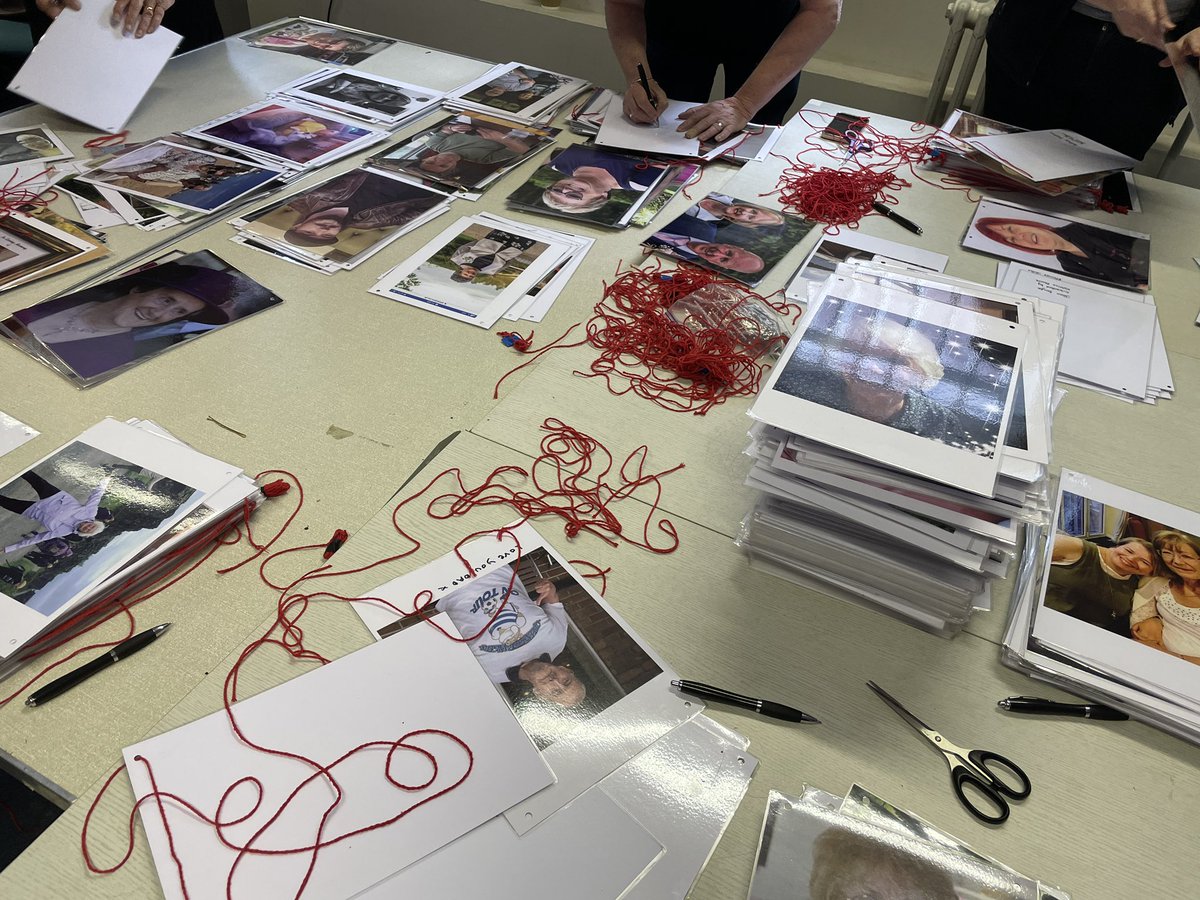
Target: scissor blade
<point>898,708</point>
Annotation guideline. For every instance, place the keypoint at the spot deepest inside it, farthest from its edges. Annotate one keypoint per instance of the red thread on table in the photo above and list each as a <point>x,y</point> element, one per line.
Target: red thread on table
<point>513,339</point>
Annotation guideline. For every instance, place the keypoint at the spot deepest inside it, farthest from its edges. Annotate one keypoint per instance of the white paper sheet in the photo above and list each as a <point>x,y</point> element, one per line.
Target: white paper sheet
<point>417,680</point>
<point>86,68</point>
<point>1047,155</point>
<point>14,433</point>
<point>618,131</point>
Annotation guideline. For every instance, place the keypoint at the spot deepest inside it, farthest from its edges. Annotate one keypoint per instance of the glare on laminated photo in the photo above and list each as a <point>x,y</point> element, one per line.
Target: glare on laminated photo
<point>362,94</point>
<point>320,41</point>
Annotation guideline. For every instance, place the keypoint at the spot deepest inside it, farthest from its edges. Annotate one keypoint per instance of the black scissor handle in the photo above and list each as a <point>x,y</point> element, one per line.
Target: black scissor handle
<point>999,773</point>
<point>962,778</point>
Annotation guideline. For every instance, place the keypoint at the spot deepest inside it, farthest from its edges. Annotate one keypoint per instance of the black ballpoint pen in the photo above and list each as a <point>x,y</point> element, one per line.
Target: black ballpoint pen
<point>885,210</point>
<point>1038,707</point>
<point>126,648</point>
<point>762,707</point>
<point>646,87</point>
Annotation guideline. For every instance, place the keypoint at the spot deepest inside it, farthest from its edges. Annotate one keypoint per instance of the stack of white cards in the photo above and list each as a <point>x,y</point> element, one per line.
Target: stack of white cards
<point>903,436</point>
<point>100,518</point>
<point>518,91</point>
<point>484,267</point>
<point>362,95</point>
<point>1131,645</point>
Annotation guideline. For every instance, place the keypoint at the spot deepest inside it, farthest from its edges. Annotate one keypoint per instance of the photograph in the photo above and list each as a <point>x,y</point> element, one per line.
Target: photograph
<point>910,375</point>
<point>1061,244</point>
<point>346,217</point>
<point>278,131</point>
<point>734,237</point>
<point>320,41</point>
<point>589,184</point>
<point>31,245</point>
<point>29,144</point>
<point>556,653</point>
<point>193,179</point>
<point>463,150</point>
<point>102,329</point>
<point>518,89</point>
<point>64,521</point>
<point>359,92</point>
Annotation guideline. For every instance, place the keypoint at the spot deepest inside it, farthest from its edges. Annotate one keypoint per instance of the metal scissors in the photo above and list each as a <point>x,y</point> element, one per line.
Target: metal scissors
<point>969,768</point>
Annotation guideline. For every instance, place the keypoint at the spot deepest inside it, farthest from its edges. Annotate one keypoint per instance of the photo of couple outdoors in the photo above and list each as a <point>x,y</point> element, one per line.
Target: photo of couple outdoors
<point>1143,584</point>
<point>556,653</point>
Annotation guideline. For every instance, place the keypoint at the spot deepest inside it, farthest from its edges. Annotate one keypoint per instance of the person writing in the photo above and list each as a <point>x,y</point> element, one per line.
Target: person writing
<point>681,44</point>
<point>195,20</point>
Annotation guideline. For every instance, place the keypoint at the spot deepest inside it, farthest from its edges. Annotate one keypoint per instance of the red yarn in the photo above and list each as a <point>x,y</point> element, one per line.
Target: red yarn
<point>513,339</point>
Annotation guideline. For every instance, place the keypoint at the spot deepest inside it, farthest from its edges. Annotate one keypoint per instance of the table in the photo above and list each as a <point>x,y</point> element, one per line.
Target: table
<point>1111,813</point>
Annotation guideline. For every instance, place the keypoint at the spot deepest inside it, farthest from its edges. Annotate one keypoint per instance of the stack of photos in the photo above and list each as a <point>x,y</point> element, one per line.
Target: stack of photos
<point>363,95</point>
<point>87,512</point>
<point>40,243</point>
<point>339,223</point>
<point>1100,253</point>
<point>184,177</point>
<point>480,267</point>
<point>31,144</point>
<point>464,152</point>
<point>320,41</point>
<point>733,237</point>
<point>820,846</point>
<point>589,184</point>
<point>92,334</point>
<point>851,245</point>
<point>1105,604</point>
<point>101,207</point>
<point>909,416</point>
<point>288,135</point>
<point>517,91</point>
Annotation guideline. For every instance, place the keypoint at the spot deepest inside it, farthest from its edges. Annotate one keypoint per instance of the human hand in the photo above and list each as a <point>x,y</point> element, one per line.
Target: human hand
<point>545,592</point>
<point>715,121</point>
<point>1148,631</point>
<point>637,106</point>
<point>139,17</point>
<point>53,7</point>
<point>1146,21</point>
<point>1180,51</point>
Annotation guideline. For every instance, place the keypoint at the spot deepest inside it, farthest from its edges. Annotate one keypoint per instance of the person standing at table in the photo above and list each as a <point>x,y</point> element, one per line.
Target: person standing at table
<point>762,49</point>
<point>1101,67</point>
<point>195,20</point>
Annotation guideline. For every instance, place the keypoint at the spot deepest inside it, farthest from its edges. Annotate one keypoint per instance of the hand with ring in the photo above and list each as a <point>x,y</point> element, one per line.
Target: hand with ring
<point>716,121</point>
<point>139,17</point>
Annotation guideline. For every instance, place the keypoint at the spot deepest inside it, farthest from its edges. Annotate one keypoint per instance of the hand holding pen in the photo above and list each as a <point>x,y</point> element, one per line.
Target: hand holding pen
<point>643,100</point>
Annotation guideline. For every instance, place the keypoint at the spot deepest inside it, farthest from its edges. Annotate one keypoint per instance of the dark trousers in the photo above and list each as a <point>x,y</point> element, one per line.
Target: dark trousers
<point>687,41</point>
<point>38,483</point>
<point>1089,78</point>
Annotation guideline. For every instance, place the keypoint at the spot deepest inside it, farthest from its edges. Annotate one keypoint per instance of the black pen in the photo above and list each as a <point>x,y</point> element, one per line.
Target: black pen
<point>762,707</point>
<point>1038,707</point>
<point>885,210</point>
<point>126,648</point>
<point>646,87</point>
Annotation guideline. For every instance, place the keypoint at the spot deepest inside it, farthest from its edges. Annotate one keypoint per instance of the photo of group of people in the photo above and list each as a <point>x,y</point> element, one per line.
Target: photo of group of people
<point>1127,574</point>
<point>540,635</point>
<point>32,143</point>
<point>464,150</point>
<point>517,89</point>
<point>278,131</point>
<point>65,520</point>
<point>320,41</point>
<point>734,237</point>
<point>195,179</point>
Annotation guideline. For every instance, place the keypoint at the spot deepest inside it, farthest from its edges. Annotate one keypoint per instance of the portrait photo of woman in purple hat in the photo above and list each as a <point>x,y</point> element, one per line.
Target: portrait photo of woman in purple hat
<point>107,327</point>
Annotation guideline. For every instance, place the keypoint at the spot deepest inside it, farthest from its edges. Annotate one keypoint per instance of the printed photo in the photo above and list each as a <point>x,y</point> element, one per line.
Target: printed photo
<point>346,216</point>
<point>589,184</point>
<point>370,95</point>
<point>464,150</point>
<point>63,522</point>
<point>913,376</point>
<point>33,143</point>
<point>289,134</point>
<point>518,89</point>
<point>962,124</point>
<point>321,41</point>
<point>193,179</point>
<point>557,654</point>
<point>1062,244</point>
<point>734,237</point>
<point>30,246</point>
<point>102,329</point>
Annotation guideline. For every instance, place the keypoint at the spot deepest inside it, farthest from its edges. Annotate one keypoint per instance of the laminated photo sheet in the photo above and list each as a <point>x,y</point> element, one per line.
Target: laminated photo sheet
<point>1120,657</point>
<point>753,144</point>
<point>1028,434</point>
<point>583,738</point>
<point>991,350</point>
<point>165,171</point>
<point>342,221</point>
<point>398,696</point>
<point>14,433</point>
<point>33,145</point>
<point>506,89</point>
<point>434,278</point>
<point>540,298</point>
<point>811,849</point>
<point>850,245</point>
<point>658,137</point>
<point>31,248</point>
<point>288,135</point>
<point>363,95</point>
<point>246,239</point>
<point>318,40</point>
<point>993,527</point>
<point>71,69</point>
<point>146,483</point>
<point>1052,154</point>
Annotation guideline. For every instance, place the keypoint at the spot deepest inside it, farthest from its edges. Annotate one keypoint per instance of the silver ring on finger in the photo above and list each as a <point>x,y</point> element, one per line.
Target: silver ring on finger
<point>720,126</point>
<point>148,10</point>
